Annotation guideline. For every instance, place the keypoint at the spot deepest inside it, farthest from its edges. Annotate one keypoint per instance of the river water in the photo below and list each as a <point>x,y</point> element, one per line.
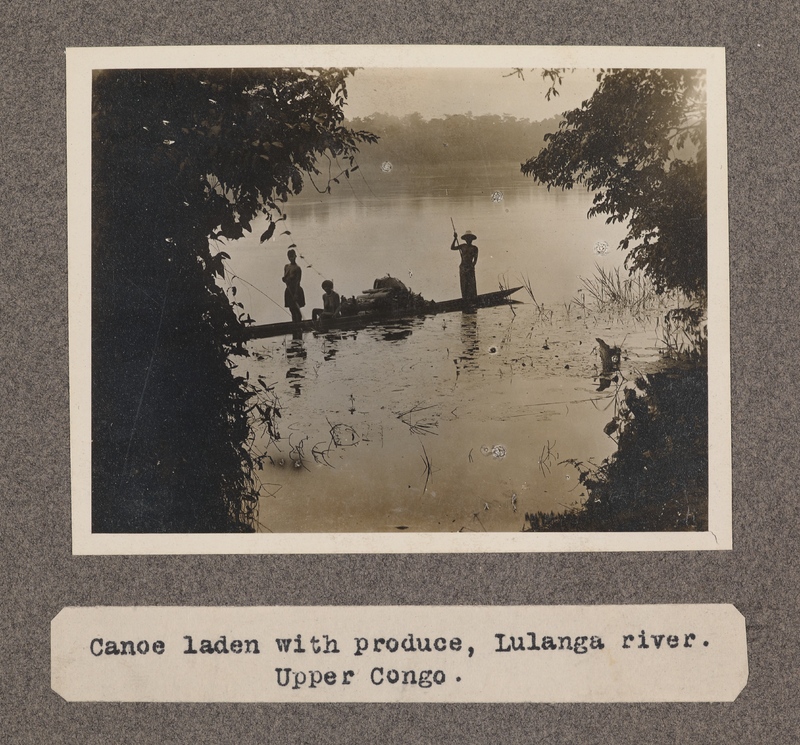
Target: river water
<point>399,223</point>
<point>456,422</point>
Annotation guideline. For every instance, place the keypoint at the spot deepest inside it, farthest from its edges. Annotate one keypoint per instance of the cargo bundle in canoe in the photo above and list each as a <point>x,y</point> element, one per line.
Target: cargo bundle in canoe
<point>377,306</point>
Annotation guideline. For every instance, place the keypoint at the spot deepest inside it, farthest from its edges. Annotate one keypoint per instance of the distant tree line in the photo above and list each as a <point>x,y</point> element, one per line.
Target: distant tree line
<point>414,140</point>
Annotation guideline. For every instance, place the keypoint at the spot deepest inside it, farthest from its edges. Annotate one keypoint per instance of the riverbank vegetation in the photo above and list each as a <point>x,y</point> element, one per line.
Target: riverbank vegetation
<point>639,144</point>
<point>608,291</point>
<point>658,478</point>
<point>183,161</point>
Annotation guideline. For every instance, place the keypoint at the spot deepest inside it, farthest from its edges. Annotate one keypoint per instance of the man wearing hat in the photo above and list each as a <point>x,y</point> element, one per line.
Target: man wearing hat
<point>469,257</point>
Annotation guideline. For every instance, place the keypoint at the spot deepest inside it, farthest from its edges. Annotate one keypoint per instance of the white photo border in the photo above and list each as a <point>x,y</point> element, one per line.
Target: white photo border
<point>80,64</point>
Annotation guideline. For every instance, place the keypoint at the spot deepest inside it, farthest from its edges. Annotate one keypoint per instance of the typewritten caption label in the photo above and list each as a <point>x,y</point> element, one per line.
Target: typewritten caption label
<point>400,653</point>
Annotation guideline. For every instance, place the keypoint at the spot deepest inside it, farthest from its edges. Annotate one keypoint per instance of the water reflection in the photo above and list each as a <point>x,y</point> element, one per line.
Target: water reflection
<point>296,352</point>
<point>470,343</point>
<point>396,335</point>
<point>460,381</point>
<point>394,331</point>
<point>604,381</point>
<point>330,346</point>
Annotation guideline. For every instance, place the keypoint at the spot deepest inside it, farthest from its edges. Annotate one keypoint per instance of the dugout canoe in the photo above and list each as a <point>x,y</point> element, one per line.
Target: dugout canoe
<point>358,320</point>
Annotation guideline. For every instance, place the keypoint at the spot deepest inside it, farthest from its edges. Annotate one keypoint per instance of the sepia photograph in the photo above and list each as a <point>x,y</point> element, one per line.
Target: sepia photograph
<point>400,373</point>
<point>375,299</point>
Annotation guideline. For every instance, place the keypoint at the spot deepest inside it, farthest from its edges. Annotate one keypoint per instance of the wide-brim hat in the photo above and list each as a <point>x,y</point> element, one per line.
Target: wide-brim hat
<point>468,234</point>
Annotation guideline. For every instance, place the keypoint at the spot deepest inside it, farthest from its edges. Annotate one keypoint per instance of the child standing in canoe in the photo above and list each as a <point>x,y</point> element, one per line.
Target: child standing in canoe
<point>293,296</point>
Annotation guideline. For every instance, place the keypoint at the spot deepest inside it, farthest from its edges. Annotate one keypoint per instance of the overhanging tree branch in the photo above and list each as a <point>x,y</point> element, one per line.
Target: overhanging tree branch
<point>639,144</point>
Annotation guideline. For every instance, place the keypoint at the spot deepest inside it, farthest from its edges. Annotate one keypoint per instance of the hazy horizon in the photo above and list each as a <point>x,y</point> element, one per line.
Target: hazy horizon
<point>439,92</point>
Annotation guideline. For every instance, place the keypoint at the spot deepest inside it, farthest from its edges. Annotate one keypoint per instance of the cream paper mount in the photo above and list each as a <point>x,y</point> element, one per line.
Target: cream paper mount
<point>428,413</point>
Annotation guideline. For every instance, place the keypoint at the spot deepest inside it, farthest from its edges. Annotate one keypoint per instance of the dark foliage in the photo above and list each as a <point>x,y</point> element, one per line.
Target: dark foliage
<point>181,160</point>
<point>639,143</point>
<point>658,478</point>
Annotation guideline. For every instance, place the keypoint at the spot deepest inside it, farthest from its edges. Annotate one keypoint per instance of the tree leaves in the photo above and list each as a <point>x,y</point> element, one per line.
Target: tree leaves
<point>267,234</point>
<point>215,264</point>
<point>629,143</point>
<point>239,143</point>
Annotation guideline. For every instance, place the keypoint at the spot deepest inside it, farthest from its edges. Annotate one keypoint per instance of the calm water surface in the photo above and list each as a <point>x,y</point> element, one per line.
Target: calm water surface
<point>461,421</point>
<point>456,422</point>
<point>399,224</point>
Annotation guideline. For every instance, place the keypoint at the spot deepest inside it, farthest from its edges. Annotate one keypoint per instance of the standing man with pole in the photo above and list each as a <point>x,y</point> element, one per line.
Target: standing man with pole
<point>469,258</point>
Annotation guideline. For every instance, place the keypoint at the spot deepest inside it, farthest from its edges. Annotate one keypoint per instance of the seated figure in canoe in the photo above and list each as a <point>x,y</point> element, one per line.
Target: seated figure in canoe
<point>331,303</point>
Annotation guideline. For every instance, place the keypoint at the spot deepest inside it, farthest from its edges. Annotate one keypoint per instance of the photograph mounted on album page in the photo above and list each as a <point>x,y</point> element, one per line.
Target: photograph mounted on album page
<point>398,299</point>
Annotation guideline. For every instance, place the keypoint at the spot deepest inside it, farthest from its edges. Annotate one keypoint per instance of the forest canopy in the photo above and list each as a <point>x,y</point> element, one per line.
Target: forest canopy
<point>639,144</point>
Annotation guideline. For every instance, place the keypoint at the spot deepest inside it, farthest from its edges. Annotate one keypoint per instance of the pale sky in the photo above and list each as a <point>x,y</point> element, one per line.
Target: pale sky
<point>434,92</point>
